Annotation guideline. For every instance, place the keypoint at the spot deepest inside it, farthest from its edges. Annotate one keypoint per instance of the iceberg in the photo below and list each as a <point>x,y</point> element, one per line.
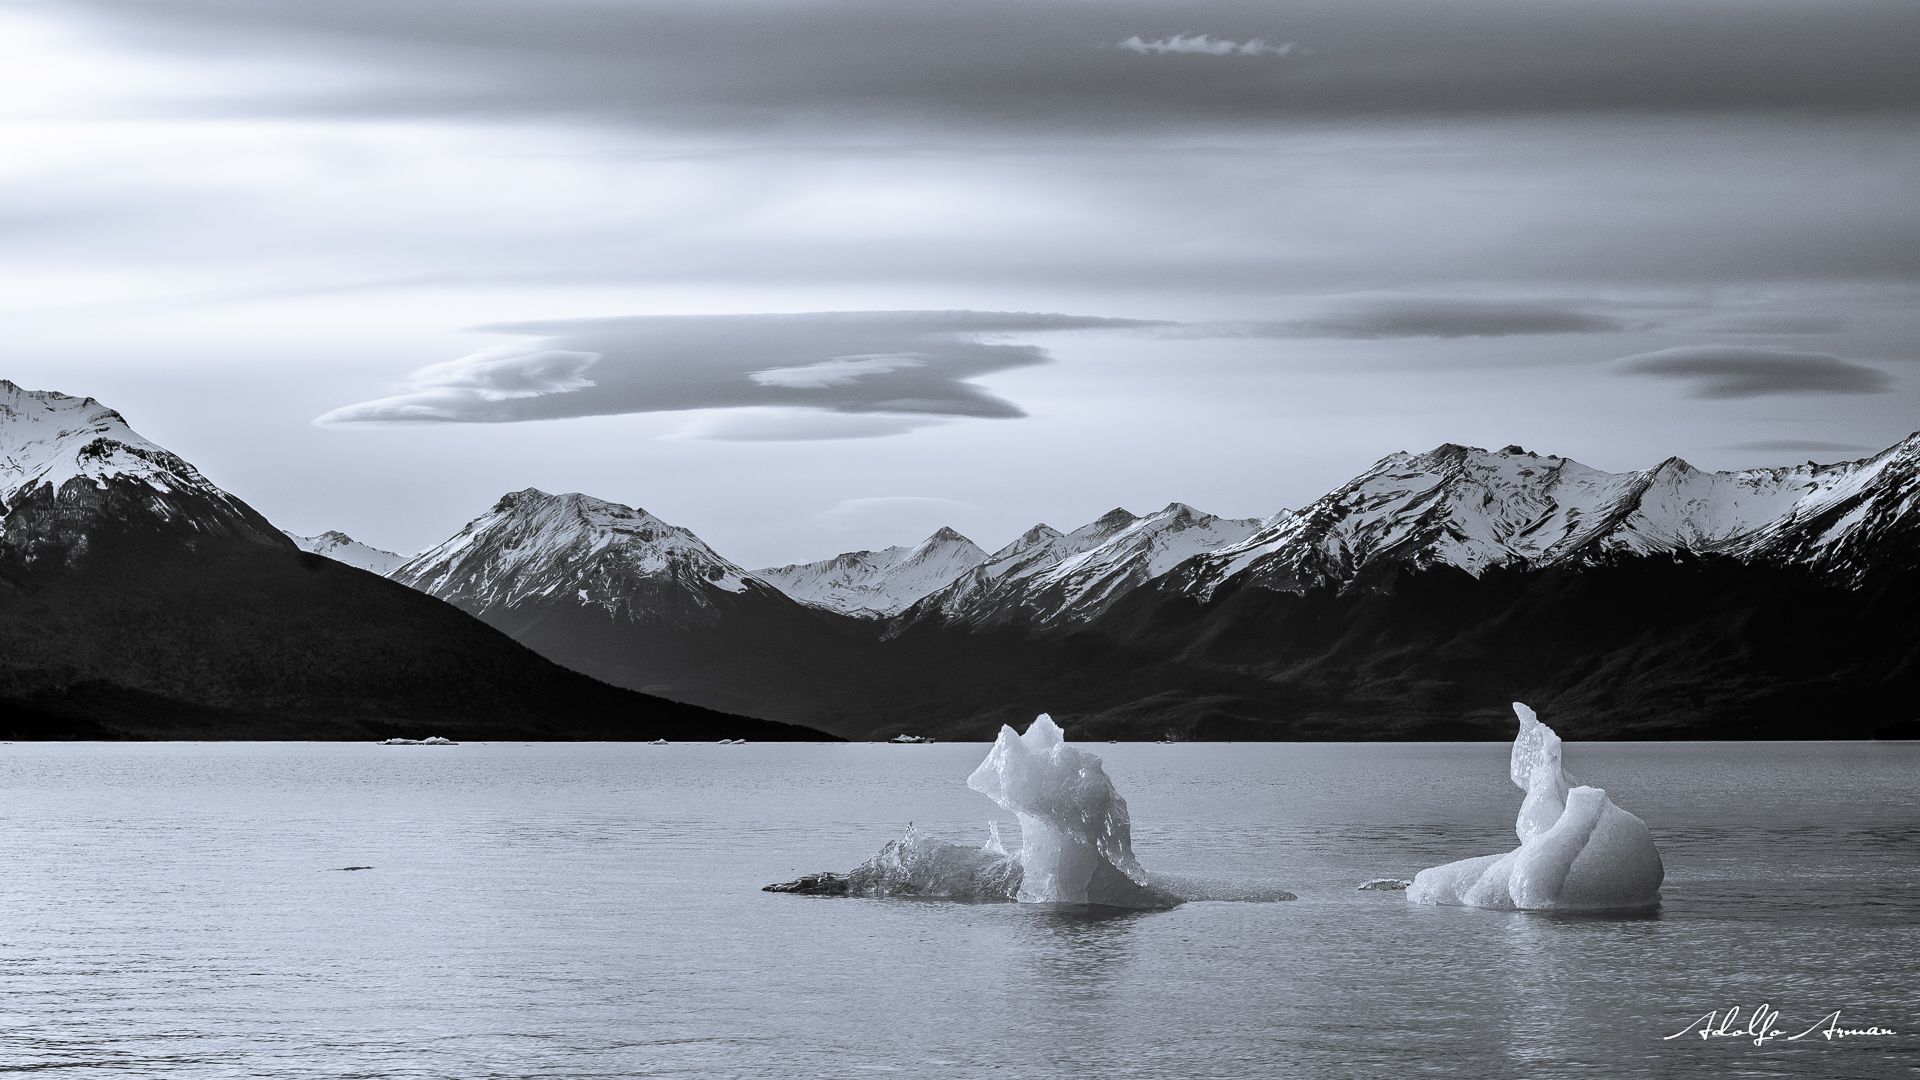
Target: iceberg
<point>1578,851</point>
<point>1076,842</point>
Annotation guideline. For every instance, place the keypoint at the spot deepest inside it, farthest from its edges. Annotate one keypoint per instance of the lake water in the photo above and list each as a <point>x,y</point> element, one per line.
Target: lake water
<point>594,911</point>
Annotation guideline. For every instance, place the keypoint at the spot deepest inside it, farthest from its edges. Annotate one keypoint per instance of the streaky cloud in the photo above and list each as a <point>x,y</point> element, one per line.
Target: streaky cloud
<point>1798,446</point>
<point>796,425</point>
<point>1424,317</point>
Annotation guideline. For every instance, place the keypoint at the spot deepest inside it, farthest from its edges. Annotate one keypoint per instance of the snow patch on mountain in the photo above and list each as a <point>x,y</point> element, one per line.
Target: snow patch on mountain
<point>340,547</point>
<point>1048,576</point>
<point>532,545</point>
<point>54,440</point>
<point>47,437</point>
<point>876,584</point>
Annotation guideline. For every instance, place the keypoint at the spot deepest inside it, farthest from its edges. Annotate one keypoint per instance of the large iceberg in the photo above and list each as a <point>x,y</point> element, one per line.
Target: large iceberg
<point>1578,851</point>
<point>1076,842</point>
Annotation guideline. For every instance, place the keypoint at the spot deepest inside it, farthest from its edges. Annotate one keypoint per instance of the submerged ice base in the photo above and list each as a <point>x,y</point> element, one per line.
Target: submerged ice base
<point>1578,851</point>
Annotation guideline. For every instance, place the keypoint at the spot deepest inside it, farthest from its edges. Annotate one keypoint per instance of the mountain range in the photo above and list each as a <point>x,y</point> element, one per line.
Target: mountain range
<point>140,600</point>
<point>1665,602</point>
<point>1410,602</point>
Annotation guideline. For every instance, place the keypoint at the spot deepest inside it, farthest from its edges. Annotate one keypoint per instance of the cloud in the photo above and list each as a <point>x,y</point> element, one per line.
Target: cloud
<point>835,372</point>
<point>796,425</point>
<point>1799,446</point>
<point>1205,45</point>
<point>916,363</point>
<point>1722,372</point>
<point>500,374</point>
<point>1764,322</point>
<point>1418,317</point>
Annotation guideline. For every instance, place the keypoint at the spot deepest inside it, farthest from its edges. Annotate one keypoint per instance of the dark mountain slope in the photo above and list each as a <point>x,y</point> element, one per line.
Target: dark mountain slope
<point>149,639</point>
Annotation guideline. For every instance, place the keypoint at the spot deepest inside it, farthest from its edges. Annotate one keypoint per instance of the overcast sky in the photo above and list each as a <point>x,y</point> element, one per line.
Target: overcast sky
<point>814,275</point>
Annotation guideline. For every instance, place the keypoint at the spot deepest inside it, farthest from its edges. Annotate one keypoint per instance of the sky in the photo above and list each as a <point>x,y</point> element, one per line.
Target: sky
<point>809,276</point>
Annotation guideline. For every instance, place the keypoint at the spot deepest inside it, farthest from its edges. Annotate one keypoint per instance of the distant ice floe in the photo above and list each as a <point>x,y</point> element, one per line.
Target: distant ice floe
<point>1578,851</point>
<point>431,740</point>
<point>1076,842</point>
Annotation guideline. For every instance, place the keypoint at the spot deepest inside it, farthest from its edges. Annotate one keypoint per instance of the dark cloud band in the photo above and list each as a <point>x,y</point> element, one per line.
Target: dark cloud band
<point>1732,371</point>
<point>1419,317</point>
<point>1008,65</point>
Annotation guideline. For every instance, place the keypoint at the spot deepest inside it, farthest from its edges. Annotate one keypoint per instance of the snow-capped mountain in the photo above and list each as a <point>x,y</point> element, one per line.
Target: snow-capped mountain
<point>139,600</point>
<point>874,584</point>
<point>1474,510</point>
<point>532,547</point>
<point>70,466</point>
<point>1047,576</point>
<point>618,594</point>
<point>340,547</point>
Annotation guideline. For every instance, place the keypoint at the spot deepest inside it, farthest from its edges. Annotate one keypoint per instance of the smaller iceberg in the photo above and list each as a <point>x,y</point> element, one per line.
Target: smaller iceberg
<point>431,740</point>
<point>1578,851</point>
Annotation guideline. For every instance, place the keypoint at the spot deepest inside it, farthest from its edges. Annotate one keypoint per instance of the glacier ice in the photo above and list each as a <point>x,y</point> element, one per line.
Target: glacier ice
<point>1076,842</point>
<point>1578,851</point>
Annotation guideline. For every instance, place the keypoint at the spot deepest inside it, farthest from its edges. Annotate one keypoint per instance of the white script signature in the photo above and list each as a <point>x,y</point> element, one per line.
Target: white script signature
<point>1761,1026</point>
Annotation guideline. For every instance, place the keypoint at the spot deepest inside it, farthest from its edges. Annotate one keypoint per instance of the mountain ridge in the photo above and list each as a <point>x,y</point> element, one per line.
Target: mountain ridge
<point>340,547</point>
<point>882,583</point>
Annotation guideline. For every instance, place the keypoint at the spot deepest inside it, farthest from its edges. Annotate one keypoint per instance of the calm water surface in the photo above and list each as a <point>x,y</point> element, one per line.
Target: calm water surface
<point>593,910</point>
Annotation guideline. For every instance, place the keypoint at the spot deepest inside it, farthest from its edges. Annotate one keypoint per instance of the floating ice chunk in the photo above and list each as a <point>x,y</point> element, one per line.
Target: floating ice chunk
<point>1578,851</point>
<point>1383,884</point>
<point>917,865</point>
<point>1076,842</point>
<point>1076,839</point>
